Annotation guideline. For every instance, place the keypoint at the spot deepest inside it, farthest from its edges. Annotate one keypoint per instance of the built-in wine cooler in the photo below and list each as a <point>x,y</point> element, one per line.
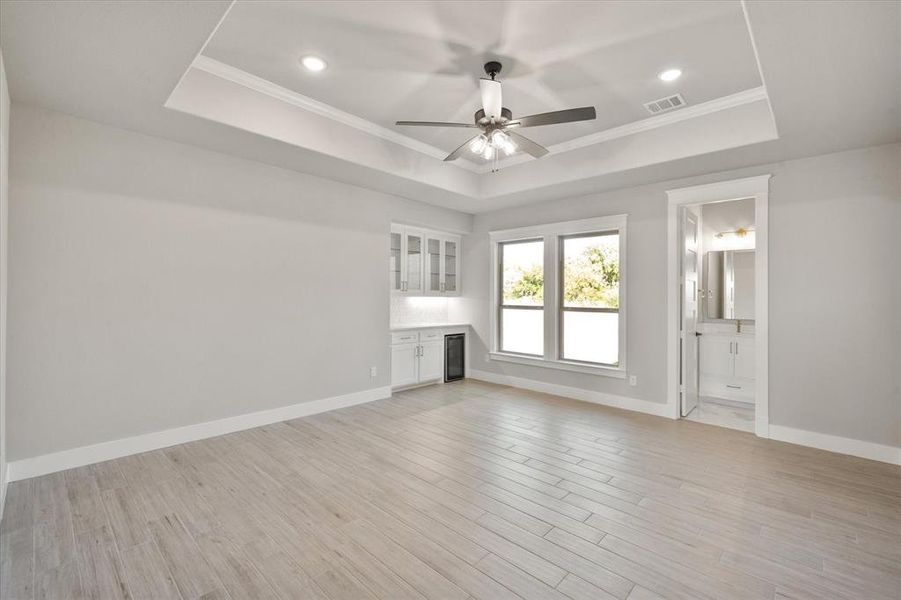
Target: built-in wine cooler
<point>454,356</point>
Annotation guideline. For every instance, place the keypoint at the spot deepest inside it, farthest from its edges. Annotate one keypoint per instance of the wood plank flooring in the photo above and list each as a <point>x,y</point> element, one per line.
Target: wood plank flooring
<point>467,490</point>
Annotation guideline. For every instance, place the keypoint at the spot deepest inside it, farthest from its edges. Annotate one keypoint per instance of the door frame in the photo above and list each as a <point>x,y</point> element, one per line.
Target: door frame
<point>737,189</point>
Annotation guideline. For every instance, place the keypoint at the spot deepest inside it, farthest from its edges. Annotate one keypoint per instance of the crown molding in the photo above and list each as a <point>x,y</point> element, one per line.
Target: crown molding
<point>264,86</point>
<point>676,116</point>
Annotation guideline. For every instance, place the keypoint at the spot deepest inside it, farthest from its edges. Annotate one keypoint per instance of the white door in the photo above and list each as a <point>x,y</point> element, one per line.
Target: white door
<point>413,251</point>
<point>745,365</point>
<point>431,365</point>
<point>689,312</point>
<point>404,364</point>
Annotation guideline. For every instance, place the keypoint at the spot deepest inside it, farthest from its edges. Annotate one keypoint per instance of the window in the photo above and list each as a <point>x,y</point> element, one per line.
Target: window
<point>589,312</point>
<point>521,309</point>
<point>559,295</point>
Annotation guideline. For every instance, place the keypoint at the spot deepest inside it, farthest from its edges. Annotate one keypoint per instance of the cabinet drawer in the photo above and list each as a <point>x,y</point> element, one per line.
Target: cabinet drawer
<point>430,335</point>
<point>404,337</point>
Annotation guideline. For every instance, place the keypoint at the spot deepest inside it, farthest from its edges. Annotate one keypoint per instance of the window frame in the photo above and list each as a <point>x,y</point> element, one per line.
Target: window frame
<point>552,234</point>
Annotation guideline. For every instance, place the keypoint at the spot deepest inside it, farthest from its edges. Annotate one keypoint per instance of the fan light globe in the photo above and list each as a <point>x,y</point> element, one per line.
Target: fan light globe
<point>479,144</point>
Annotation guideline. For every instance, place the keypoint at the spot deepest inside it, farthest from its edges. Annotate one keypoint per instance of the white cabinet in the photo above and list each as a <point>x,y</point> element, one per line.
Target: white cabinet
<point>404,364</point>
<point>450,265</point>
<point>743,353</point>
<point>416,357</point>
<point>716,356</point>
<point>727,366</point>
<point>423,262</point>
<point>431,363</point>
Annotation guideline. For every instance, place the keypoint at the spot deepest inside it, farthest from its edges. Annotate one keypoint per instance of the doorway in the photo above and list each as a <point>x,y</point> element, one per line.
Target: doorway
<point>717,304</point>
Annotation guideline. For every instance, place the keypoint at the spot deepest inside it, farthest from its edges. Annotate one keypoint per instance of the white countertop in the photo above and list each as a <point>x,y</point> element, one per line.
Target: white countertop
<point>409,326</point>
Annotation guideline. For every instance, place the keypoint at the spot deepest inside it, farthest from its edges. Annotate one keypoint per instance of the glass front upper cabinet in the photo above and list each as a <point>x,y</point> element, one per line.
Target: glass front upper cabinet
<point>414,262</point>
<point>433,264</point>
<point>423,263</point>
<point>451,264</point>
<point>395,274</point>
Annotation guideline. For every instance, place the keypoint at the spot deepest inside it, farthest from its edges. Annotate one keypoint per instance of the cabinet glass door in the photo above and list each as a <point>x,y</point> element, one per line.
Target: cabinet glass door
<point>433,265</point>
<point>394,267</point>
<point>414,262</point>
<point>450,266</point>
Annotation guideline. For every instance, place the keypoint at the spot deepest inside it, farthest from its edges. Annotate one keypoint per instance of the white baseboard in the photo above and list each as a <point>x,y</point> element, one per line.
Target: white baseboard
<point>834,443</point>
<point>3,484</point>
<point>822,441</point>
<point>86,455</point>
<point>624,402</point>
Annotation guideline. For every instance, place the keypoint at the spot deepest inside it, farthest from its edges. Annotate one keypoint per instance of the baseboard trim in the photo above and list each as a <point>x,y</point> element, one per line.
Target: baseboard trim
<point>3,485</point>
<point>86,455</point>
<point>838,444</point>
<point>613,400</point>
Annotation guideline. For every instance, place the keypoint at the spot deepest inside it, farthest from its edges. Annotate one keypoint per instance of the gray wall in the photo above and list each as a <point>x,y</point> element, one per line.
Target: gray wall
<point>835,290</point>
<point>156,285</point>
<point>4,234</point>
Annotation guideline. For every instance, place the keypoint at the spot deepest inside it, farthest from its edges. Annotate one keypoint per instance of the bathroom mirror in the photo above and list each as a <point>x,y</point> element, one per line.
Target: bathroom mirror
<point>728,288</point>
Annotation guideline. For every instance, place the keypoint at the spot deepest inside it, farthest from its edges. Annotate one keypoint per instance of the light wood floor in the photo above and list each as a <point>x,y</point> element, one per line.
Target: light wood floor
<point>462,491</point>
<point>723,413</point>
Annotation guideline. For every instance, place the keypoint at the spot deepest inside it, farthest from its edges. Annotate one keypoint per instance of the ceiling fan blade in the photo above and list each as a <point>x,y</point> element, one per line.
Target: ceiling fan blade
<point>433,124</point>
<point>491,97</point>
<point>527,145</point>
<point>586,113</point>
<point>456,153</point>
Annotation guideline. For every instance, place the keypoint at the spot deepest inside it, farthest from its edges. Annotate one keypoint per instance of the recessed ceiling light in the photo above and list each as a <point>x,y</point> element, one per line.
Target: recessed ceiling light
<point>670,75</point>
<point>313,63</point>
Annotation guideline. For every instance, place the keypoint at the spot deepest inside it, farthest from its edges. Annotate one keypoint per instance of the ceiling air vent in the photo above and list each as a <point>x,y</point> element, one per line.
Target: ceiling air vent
<point>665,104</point>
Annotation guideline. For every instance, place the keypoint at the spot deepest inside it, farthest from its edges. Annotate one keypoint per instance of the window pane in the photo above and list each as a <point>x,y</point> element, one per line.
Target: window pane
<point>591,271</point>
<point>450,266</point>
<point>522,273</point>
<point>414,262</point>
<point>591,337</point>
<point>522,331</point>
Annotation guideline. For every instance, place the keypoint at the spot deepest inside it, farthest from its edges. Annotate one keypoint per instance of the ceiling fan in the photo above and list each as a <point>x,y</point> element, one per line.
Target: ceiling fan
<point>496,123</point>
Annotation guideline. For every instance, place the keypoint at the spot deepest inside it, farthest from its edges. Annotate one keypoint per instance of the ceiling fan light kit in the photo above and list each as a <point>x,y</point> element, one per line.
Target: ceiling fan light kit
<point>496,123</point>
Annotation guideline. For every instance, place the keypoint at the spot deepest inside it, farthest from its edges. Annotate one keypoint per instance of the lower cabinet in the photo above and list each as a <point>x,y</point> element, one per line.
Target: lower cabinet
<point>727,366</point>
<point>417,356</point>
<point>404,364</point>
<point>431,365</point>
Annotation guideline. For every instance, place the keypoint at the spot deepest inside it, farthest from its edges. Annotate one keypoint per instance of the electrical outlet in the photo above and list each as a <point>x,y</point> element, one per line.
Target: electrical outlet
<point>373,372</point>
<point>633,379</point>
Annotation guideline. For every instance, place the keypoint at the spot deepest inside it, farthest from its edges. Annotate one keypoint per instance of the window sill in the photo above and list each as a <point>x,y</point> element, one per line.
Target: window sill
<point>562,365</point>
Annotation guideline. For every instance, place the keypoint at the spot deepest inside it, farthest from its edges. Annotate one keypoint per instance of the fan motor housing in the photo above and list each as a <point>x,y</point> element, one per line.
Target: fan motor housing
<point>482,120</point>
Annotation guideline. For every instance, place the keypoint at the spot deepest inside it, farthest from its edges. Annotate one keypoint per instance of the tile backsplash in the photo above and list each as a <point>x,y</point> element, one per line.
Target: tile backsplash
<point>419,309</point>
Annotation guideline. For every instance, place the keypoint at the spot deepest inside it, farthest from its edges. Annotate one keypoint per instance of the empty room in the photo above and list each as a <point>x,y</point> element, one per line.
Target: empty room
<point>450,300</point>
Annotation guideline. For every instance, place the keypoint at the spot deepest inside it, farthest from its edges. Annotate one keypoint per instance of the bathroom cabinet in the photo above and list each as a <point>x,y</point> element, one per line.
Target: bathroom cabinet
<point>727,366</point>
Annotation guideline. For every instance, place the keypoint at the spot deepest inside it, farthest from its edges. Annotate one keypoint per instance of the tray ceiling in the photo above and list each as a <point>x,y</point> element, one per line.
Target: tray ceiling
<point>422,60</point>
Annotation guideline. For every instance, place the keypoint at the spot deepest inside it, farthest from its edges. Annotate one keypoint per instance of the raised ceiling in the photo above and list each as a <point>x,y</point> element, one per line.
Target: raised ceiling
<point>422,60</point>
<point>829,75</point>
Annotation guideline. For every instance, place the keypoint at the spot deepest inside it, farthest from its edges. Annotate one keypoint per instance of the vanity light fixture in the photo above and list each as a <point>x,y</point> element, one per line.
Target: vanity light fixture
<point>313,63</point>
<point>739,233</point>
<point>670,75</point>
